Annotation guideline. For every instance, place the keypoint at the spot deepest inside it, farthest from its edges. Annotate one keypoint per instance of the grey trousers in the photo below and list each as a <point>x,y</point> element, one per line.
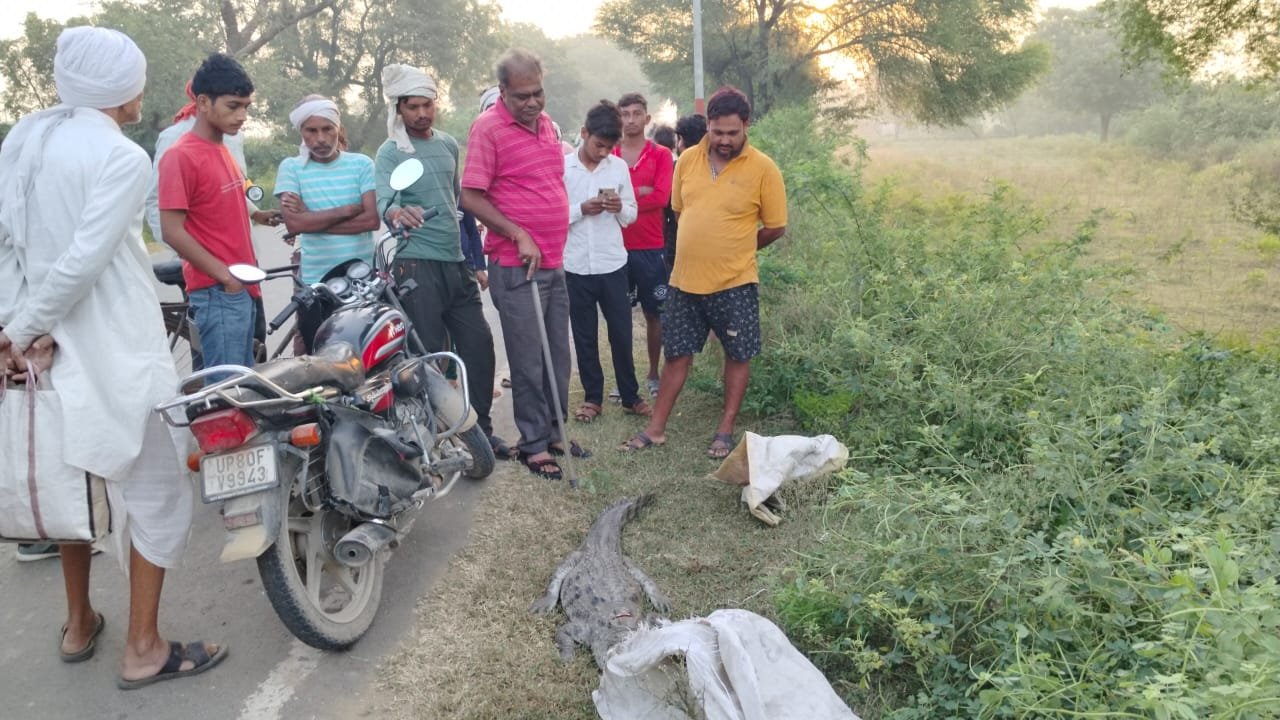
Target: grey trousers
<point>530,389</point>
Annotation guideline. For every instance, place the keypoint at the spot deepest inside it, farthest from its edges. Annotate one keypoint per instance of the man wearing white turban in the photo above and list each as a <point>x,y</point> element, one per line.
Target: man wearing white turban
<point>446,307</point>
<point>74,271</point>
<point>326,194</point>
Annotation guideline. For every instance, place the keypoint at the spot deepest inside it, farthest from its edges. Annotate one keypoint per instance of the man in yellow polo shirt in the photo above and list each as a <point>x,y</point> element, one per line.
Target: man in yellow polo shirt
<point>731,202</point>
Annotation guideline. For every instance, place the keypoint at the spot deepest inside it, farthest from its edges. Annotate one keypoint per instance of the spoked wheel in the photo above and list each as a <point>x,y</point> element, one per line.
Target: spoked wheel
<point>325,604</point>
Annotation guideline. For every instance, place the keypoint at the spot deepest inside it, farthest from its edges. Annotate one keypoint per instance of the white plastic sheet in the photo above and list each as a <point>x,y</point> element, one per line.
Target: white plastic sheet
<point>737,666</point>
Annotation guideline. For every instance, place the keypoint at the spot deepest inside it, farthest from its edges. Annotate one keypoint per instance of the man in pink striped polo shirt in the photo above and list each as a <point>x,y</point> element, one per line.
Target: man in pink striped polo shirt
<point>513,182</point>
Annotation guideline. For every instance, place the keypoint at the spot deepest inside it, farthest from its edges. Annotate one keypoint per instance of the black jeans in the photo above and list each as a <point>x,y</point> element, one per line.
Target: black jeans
<point>447,312</point>
<point>609,293</point>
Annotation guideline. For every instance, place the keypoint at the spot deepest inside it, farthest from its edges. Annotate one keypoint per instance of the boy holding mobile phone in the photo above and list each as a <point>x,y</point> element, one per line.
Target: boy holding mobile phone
<point>601,203</point>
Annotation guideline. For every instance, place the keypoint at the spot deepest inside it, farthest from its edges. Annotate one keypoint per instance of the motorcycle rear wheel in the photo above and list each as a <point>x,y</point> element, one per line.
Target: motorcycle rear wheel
<point>323,603</point>
<point>476,444</point>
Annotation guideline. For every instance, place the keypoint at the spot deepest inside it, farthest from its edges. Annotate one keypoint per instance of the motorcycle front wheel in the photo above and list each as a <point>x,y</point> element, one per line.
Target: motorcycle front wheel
<point>324,603</point>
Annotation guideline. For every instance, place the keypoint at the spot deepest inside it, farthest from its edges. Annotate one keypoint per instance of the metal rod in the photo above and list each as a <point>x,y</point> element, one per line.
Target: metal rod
<point>699,106</point>
<point>551,378</point>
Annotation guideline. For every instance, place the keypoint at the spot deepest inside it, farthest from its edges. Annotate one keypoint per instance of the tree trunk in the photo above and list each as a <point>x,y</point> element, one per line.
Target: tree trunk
<point>1104,132</point>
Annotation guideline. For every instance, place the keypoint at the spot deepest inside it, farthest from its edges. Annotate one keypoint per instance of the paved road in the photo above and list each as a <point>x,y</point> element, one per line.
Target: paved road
<point>268,674</point>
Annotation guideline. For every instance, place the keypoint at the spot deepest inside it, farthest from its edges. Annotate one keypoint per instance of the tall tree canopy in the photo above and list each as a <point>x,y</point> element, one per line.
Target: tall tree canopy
<point>1087,72</point>
<point>937,60</point>
<point>333,47</point>
<point>1189,33</point>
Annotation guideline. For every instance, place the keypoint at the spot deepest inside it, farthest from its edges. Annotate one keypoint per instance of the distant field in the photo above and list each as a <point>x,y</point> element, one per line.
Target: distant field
<point>1167,230</point>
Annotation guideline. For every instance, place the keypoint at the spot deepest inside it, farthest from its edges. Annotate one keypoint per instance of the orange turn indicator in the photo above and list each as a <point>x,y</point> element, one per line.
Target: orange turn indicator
<point>305,435</point>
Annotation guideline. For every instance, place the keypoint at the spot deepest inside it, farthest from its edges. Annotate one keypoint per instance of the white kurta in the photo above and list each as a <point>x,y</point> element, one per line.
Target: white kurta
<point>88,283</point>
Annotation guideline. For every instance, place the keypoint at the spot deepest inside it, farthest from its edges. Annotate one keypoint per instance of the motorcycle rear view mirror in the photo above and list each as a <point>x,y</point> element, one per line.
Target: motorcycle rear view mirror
<point>406,174</point>
<point>247,274</point>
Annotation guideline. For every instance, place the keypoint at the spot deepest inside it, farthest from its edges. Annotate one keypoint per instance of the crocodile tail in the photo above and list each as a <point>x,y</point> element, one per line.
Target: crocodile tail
<point>608,526</point>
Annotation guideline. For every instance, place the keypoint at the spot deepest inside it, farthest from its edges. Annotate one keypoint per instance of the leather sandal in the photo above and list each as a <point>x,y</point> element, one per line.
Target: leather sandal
<point>587,412</point>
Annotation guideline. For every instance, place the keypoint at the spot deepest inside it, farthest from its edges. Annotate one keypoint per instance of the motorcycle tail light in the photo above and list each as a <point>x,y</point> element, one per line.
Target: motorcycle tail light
<point>223,430</point>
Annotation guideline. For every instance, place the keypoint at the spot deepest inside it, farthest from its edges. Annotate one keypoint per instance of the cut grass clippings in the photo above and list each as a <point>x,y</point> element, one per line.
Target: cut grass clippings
<point>478,653</point>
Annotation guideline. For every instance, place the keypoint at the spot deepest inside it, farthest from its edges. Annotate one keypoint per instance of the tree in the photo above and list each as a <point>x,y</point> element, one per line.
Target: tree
<point>938,60</point>
<point>1187,34</point>
<point>1087,72</point>
<point>342,51</point>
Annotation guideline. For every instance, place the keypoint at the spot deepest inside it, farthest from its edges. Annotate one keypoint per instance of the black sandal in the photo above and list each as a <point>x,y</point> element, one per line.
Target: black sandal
<point>540,467</point>
<point>195,652</point>
<point>501,450</point>
<point>578,451</point>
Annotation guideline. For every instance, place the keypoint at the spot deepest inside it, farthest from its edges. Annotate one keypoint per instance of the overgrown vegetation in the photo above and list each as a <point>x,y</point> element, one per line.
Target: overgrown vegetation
<point>1054,510</point>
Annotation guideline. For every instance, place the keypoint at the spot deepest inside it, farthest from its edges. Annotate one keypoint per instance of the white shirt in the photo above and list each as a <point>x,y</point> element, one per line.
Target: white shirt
<point>595,244</point>
<point>166,139</point>
<point>84,276</point>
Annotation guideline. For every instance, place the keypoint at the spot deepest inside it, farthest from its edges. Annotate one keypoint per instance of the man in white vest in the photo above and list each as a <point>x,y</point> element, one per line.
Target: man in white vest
<point>74,271</point>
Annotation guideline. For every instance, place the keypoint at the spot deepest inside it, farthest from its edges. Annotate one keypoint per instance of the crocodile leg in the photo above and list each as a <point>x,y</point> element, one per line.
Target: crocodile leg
<point>547,603</point>
<point>567,636</point>
<point>657,598</point>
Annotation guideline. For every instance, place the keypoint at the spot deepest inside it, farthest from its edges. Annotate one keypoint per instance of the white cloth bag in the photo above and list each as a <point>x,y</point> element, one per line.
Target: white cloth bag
<point>736,666</point>
<point>41,497</point>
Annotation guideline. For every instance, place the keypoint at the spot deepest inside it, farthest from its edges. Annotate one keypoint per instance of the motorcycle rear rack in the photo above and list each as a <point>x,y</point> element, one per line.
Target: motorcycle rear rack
<point>238,374</point>
<point>236,377</point>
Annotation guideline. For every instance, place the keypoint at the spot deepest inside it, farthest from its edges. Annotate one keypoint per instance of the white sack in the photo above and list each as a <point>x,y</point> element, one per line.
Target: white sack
<point>738,666</point>
<point>762,464</point>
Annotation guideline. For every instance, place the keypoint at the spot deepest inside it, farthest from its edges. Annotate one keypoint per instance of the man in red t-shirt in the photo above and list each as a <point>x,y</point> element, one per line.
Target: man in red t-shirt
<point>651,167</point>
<point>203,214</point>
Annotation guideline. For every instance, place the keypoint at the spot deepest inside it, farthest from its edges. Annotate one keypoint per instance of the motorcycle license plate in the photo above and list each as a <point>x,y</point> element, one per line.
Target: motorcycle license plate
<point>247,470</point>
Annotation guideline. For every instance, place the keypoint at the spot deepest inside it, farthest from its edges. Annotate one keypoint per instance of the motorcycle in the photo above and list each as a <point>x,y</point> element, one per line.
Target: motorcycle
<point>320,462</point>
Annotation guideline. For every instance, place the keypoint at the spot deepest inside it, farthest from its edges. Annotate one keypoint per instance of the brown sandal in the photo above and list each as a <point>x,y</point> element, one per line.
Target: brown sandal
<point>587,412</point>
<point>639,407</point>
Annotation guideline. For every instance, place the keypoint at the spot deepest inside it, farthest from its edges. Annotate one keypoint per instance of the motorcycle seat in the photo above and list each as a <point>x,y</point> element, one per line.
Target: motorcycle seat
<point>336,365</point>
<point>169,273</point>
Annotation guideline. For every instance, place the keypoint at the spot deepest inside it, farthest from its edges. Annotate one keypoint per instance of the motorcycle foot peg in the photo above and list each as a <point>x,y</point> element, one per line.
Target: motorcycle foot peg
<point>362,544</point>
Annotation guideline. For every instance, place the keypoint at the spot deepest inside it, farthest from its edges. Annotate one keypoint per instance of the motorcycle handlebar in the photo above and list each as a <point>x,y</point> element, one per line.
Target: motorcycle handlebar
<point>284,315</point>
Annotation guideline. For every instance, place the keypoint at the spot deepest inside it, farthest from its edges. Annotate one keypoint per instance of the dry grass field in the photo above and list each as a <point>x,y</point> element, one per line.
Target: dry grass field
<point>1167,231</point>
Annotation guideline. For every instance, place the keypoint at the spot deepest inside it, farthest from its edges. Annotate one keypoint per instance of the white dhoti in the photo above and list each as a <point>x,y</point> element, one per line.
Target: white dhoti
<point>151,502</point>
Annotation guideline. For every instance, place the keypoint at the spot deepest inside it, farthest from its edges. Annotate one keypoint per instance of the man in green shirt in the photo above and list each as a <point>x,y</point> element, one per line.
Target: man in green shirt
<point>445,308</point>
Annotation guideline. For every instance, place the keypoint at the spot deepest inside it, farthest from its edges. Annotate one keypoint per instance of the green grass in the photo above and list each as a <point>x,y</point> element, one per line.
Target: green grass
<point>1166,231</point>
<point>1058,505</point>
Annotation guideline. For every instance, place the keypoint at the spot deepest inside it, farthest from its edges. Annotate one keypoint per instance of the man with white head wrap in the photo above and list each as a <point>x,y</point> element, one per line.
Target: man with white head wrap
<point>73,268</point>
<point>446,307</point>
<point>326,194</point>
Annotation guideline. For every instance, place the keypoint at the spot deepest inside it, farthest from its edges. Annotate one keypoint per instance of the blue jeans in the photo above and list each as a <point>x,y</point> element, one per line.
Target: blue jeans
<point>225,322</point>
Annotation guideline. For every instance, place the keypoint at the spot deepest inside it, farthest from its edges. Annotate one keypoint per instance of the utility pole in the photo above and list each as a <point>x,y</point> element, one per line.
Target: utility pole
<point>699,105</point>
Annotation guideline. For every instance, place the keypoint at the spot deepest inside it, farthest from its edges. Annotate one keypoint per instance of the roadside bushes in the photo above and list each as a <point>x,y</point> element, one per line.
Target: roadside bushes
<point>1052,509</point>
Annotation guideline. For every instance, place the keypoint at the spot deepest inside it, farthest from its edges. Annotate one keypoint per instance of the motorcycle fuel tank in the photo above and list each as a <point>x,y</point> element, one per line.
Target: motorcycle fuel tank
<point>376,331</point>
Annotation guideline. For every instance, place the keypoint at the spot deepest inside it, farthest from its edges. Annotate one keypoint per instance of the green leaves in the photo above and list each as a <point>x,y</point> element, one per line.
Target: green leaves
<point>1052,515</point>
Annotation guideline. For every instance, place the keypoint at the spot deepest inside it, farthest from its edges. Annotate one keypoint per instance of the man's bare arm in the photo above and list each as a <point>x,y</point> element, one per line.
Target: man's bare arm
<point>190,249</point>
<point>765,236</point>
<point>366,220</point>
<point>300,219</point>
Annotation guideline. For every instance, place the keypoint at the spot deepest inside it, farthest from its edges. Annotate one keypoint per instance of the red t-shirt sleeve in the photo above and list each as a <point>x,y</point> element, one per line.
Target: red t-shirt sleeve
<point>662,166</point>
<point>482,158</point>
<point>175,182</point>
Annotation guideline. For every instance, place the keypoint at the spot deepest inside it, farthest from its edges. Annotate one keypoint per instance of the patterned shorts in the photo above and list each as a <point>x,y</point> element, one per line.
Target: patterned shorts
<point>733,314</point>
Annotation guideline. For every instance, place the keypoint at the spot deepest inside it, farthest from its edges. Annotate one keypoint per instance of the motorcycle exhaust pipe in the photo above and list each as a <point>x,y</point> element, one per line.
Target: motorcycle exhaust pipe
<point>361,544</point>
